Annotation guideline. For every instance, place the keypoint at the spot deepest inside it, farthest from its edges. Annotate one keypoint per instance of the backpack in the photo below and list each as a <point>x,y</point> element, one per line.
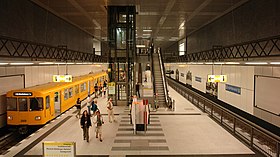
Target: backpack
<point>93,107</point>
<point>99,121</point>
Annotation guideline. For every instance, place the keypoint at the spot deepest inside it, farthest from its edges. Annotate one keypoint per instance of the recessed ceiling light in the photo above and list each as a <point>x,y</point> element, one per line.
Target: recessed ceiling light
<point>232,63</point>
<point>256,63</point>
<point>4,63</point>
<point>147,30</point>
<point>219,63</point>
<point>21,63</point>
<point>46,63</point>
<point>275,63</point>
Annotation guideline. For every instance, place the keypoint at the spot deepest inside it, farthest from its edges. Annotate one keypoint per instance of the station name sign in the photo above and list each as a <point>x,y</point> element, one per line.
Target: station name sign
<point>22,93</point>
<point>217,78</point>
<point>62,78</point>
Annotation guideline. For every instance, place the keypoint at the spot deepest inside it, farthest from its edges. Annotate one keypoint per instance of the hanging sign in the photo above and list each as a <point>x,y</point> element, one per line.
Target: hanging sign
<point>217,78</point>
<point>111,88</point>
<point>62,78</point>
<point>66,149</point>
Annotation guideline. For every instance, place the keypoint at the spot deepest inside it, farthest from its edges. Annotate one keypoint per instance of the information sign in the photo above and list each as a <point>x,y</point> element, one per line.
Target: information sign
<point>62,78</point>
<point>65,149</point>
<point>111,88</point>
<point>217,78</point>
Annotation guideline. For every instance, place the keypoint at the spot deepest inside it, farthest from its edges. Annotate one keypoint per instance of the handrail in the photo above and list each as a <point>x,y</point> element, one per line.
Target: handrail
<point>153,71</point>
<point>271,140</point>
<point>265,47</point>
<point>163,77</point>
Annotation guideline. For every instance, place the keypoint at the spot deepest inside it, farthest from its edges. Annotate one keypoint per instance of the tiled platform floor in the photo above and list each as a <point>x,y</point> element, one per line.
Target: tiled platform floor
<point>185,132</point>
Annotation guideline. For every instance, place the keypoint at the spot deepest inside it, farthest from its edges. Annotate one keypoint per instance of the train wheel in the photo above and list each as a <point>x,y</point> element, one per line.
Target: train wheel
<point>23,130</point>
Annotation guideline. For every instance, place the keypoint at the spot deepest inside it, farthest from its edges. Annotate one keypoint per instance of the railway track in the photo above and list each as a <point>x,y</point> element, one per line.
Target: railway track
<point>10,139</point>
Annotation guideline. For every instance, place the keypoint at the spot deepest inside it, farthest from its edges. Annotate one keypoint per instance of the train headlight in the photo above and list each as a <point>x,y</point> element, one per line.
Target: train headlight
<point>38,118</point>
<point>10,117</point>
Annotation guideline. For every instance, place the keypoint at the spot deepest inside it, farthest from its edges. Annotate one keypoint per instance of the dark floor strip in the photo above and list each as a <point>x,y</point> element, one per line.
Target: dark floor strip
<point>197,155</point>
<point>150,141</point>
<point>126,117</point>
<point>31,145</point>
<point>147,134</point>
<point>75,156</point>
<point>131,129</point>
<point>125,124</point>
<point>154,117</point>
<point>125,120</point>
<point>140,148</point>
<point>148,125</point>
<point>154,120</point>
<point>166,114</point>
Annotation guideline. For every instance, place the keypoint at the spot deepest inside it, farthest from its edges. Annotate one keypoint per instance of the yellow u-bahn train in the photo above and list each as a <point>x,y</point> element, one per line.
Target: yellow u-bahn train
<point>35,106</point>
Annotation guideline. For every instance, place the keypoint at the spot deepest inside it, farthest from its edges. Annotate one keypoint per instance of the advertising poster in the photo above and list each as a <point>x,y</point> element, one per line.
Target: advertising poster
<point>177,75</point>
<point>212,88</point>
<point>189,78</point>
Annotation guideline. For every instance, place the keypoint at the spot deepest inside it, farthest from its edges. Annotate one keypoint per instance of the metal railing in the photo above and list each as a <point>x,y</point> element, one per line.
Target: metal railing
<point>163,77</point>
<point>14,48</point>
<point>266,47</point>
<point>253,135</point>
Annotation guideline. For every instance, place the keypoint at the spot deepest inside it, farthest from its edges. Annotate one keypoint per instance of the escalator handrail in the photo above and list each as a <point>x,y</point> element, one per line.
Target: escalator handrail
<point>163,77</point>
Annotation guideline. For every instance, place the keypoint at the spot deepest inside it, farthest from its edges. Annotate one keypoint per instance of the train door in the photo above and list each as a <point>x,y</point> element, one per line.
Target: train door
<point>57,102</point>
<point>48,111</point>
<point>88,87</point>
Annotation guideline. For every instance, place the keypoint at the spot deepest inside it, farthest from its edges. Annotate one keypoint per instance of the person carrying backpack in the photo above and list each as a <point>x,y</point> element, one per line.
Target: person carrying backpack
<point>98,121</point>
<point>94,107</point>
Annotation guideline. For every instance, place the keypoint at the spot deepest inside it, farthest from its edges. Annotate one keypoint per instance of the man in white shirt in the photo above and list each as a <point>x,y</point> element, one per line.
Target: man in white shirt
<point>110,110</point>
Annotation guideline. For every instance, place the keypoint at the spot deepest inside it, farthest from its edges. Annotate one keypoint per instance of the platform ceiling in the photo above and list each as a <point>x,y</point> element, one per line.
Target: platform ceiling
<point>168,20</point>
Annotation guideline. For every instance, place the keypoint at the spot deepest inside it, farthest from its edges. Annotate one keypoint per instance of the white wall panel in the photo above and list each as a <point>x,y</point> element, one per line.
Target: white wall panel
<point>10,70</point>
<point>276,71</point>
<point>2,71</point>
<point>267,71</point>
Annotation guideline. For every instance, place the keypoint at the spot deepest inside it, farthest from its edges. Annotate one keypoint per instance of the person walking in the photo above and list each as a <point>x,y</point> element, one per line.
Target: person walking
<point>96,90</point>
<point>98,121</point>
<point>104,88</point>
<point>79,107</point>
<point>94,107</point>
<point>85,124</point>
<point>138,89</point>
<point>110,110</point>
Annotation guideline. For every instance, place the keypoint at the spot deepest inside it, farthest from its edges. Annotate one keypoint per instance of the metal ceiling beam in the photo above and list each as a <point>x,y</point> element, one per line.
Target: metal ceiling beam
<point>85,13</point>
<point>166,12</point>
<point>198,9</point>
<point>58,15</point>
<point>225,12</point>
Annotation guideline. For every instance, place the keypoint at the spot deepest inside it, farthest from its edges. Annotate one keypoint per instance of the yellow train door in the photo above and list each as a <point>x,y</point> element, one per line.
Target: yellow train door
<point>57,103</point>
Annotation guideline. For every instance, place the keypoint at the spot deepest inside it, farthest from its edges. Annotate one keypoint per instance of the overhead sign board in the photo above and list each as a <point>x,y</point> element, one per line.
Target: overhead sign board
<point>62,78</point>
<point>65,149</point>
<point>22,93</point>
<point>217,78</point>
<point>111,88</point>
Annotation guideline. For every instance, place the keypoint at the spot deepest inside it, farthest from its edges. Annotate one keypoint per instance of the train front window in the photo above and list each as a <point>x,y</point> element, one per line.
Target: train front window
<point>11,104</point>
<point>22,103</point>
<point>36,104</point>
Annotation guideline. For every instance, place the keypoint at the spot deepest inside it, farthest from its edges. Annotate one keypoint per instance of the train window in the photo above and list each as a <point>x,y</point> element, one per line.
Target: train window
<point>36,104</point>
<point>65,94</point>
<point>11,104</point>
<point>70,92</point>
<point>85,86</point>
<point>47,102</point>
<point>82,87</point>
<point>22,103</point>
<point>77,89</point>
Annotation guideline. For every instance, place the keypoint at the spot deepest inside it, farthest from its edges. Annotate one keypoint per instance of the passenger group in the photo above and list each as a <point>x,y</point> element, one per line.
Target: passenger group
<point>94,112</point>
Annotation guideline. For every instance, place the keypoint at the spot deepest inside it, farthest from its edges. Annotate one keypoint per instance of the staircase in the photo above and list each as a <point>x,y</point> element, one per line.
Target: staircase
<point>158,81</point>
